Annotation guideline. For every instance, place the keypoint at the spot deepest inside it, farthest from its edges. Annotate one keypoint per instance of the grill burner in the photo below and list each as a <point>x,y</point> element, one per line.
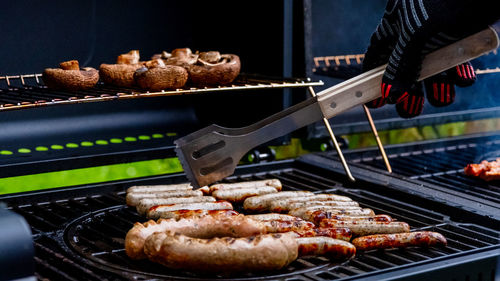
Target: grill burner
<point>86,234</point>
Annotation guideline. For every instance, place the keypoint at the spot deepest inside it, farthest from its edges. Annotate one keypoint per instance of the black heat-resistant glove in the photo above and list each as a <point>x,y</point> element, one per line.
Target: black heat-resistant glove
<point>408,31</point>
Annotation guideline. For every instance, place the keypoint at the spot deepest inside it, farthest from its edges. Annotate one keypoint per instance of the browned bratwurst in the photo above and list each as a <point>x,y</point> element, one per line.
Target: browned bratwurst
<point>317,216</point>
<point>325,246</point>
<point>216,225</point>
<point>222,255</point>
<point>361,228</point>
<point>70,77</point>
<point>398,240</point>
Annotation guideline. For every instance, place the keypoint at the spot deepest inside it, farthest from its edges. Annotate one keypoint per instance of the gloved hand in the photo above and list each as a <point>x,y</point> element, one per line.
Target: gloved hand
<point>408,31</point>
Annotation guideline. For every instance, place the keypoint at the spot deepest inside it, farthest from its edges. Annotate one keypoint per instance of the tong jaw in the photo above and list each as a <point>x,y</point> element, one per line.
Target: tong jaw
<point>208,155</point>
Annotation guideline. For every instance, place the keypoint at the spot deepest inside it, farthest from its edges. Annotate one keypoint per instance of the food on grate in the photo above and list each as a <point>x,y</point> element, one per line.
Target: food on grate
<point>182,57</point>
<point>308,213</point>
<point>145,204</point>
<point>156,76</point>
<point>485,170</point>
<point>157,188</point>
<point>212,69</point>
<point>262,203</point>
<point>274,216</point>
<point>184,214</point>
<point>325,246</point>
<point>70,77</point>
<point>341,233</point>
<point>239,195</point>
<point>122,73</point>
<point>222,255</point>
<point>361,228</point>
<point>399,240</point>
<point>317,216</point>
<point>287,205</point>
<point>164,211</point>
<point>214,225</point>
<point>246,184</point>
<point>134,198</point>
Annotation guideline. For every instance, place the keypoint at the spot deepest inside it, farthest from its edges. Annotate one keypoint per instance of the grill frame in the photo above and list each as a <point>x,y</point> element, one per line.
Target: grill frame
<point>97,196</point>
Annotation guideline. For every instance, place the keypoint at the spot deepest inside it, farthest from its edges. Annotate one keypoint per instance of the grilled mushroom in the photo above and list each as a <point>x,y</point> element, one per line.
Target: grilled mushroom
<point>182,57</point>
<point>155,76</point>
<point>70,77</point>
<point>212,69</point>
<point>122,73</point>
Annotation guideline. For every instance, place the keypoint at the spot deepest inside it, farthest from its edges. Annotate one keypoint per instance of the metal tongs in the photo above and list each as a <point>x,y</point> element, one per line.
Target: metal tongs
<point>212,153</point>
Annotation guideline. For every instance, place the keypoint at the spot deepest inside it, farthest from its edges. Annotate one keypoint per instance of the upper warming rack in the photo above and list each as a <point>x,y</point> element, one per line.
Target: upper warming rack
<point>28,91</point>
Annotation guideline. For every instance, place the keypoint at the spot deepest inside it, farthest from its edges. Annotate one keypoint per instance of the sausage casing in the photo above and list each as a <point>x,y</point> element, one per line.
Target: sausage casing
<point>325,246</point>
<point>238,195</point>
<point>362,228</point>
<point>399,240</point>
<point>159,188</point>
<point>261,203</point>
<point>145,204</point>
<point>161,211</point>
<point>222,255</point>
<point>307,213</point>
<point>183,214</point>
<point>287,205</point>
<point>274,216</point>
<point>133,198</point>
<point>318,216</point>
<point>247,184</point>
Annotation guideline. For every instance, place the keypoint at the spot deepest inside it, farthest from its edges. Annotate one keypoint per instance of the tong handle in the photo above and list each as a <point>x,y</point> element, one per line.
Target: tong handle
<point>366,87</point>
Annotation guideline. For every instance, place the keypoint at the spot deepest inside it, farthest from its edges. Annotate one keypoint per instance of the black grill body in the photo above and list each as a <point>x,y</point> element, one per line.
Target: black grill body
<point>79,233</point>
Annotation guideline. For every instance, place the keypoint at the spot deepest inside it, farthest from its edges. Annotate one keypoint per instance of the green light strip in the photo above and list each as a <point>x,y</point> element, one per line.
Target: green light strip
<point>24,150</point>
<point>89,175</point>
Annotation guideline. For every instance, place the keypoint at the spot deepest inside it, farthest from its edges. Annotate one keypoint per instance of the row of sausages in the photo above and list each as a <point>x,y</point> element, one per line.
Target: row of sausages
<point>206,231</point>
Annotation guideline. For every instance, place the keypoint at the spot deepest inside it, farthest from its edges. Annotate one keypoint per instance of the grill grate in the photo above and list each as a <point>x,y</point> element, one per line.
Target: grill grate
<point>442,164</point>
<point>28,91</point>
<point>83,237</point>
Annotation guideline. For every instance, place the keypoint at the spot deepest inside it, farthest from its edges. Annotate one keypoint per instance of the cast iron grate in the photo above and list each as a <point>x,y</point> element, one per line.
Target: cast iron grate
<point>442,164</point>
<point>84,236</point>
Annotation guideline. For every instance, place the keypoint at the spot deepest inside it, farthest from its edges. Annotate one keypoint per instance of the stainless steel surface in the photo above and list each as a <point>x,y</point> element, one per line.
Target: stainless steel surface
<point>212,153</point>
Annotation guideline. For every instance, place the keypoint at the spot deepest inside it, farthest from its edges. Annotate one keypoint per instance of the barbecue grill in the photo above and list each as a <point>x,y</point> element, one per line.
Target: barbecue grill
<point>78,231</point>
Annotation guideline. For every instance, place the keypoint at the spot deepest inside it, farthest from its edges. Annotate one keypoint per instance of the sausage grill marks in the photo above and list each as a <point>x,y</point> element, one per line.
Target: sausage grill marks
<point>196,232</point>
<point>399,240</point>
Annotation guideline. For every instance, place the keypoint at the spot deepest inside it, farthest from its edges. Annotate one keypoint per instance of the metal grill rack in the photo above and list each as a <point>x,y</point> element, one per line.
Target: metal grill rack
<point>28,91</point>
<point>86,234</point>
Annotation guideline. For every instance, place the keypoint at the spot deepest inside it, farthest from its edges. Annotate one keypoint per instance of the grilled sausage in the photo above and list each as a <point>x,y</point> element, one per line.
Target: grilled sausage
<point>279,226</point>
<point>318,216</point>
<point>325,246</point>
<point>287,205</point>
<point>222,255</point>
<point>399,240</point>
<point>362,228</point>
<point>340,233</point>
<point>145,204</point>
<point>179,214</point>
<point>261,203</point>
<point>133,198</point>
<point>215,225</point>
<point>238,195</point>
<point>247,184</point>
<point>159,188</point>
<point>274,216</point>
<point>307,213</point>
<point>162,211</point>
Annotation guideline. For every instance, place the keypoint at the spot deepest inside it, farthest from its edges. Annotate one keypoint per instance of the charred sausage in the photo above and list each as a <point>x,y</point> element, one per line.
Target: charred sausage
<point>163,211</point>
<point>362,228</point>
<point>399,240</point>
<point>180,214</point>
<point>325,246</point>
<point>287,205</point>
<point>261,203</point>
<point>222,255</point>
<point>318,216</point>
<point>202,227</point>
<point>307,213</point>
<point>145,204</point>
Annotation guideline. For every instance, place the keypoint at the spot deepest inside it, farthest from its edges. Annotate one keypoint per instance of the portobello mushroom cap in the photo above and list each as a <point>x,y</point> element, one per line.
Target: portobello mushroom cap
<point>161,77</point>
<point>70,77</point>
<point>214,70</point>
